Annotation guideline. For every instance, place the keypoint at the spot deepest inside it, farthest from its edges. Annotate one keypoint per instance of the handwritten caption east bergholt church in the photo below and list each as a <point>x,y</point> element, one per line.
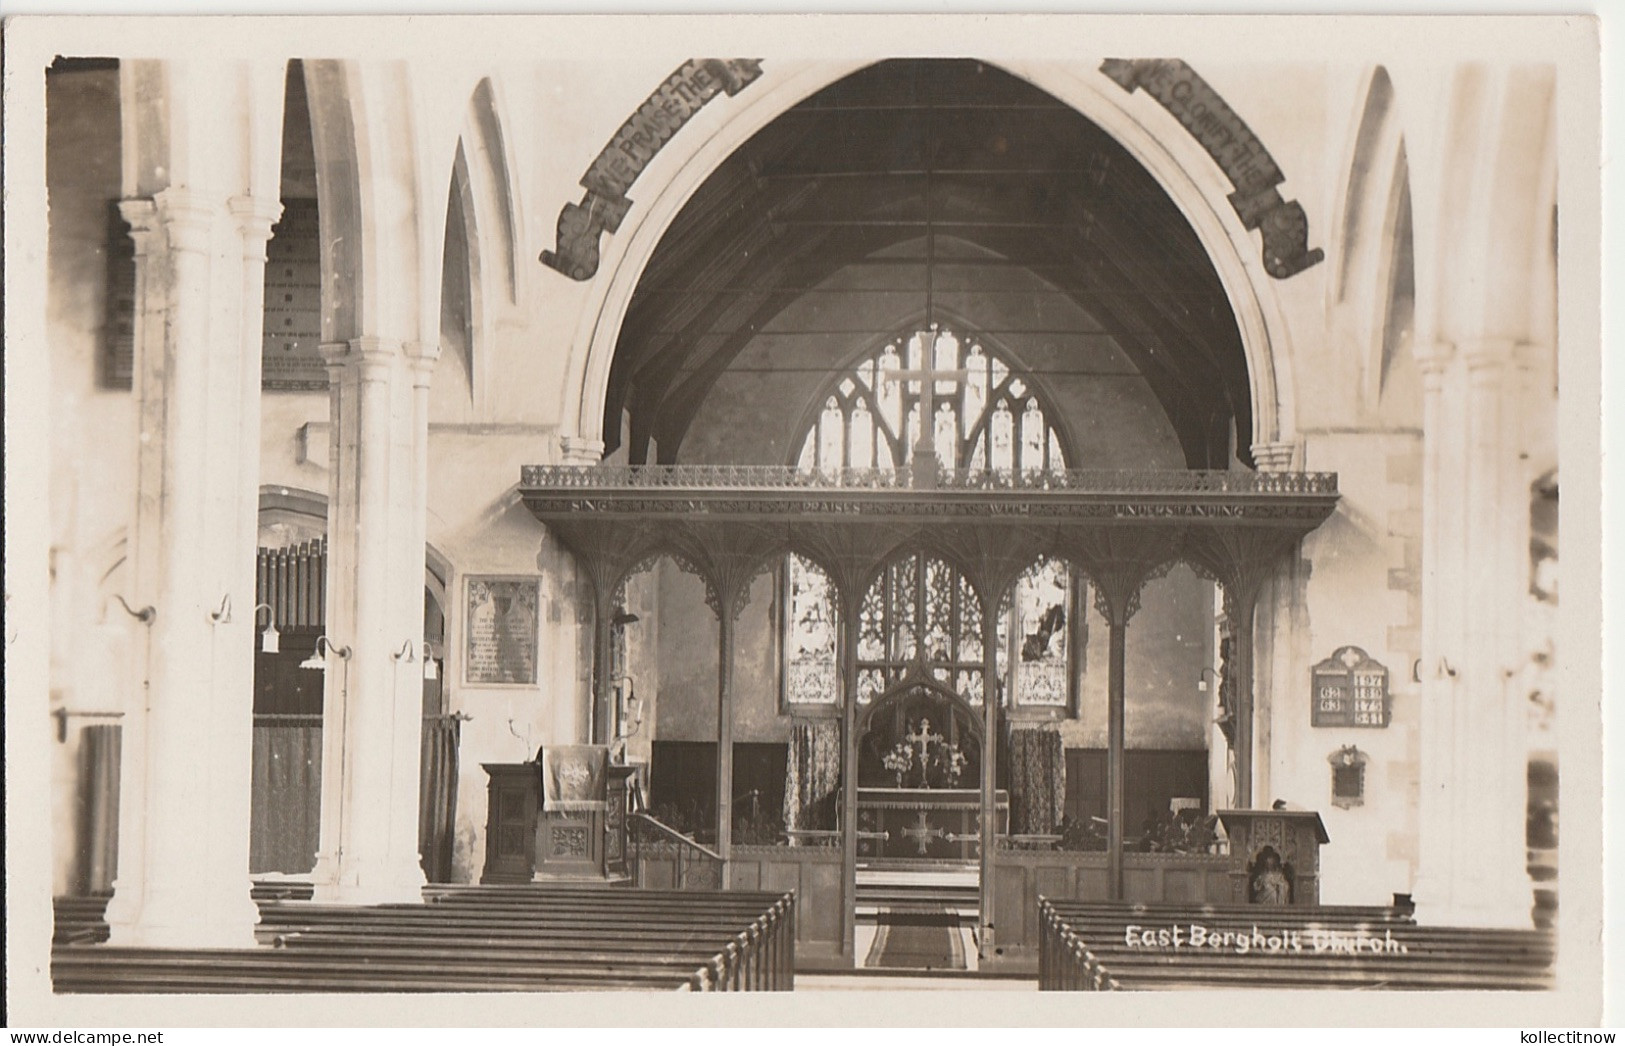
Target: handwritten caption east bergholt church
<point>1310,940</point>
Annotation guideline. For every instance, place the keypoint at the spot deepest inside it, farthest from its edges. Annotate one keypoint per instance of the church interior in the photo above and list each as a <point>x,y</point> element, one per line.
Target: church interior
<point>524,524</point>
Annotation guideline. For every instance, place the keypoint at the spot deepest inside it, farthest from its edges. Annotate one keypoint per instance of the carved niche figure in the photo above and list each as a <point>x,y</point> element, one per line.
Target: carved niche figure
<point>1270,882</point>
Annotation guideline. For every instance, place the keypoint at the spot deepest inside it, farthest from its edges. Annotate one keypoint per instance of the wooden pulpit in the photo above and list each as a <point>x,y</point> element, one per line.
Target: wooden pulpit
<point>1274,856</point>
<point>523,843</point>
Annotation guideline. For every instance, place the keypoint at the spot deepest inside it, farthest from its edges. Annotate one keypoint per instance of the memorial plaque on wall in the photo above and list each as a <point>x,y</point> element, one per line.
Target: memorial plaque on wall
<point>291,356</point>
<point>1349,689</point>
<point>502,624</point>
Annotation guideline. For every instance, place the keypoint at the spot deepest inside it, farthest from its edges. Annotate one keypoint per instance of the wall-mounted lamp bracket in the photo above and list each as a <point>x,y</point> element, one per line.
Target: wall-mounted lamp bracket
<point>145,615</point>
<point>315,660</point>
<point>270,639</point>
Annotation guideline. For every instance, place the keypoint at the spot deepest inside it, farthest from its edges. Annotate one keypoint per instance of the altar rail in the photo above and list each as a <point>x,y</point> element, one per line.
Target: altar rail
<point>775,477</point>
<point>1022,876</point>
<point>1119,947</point>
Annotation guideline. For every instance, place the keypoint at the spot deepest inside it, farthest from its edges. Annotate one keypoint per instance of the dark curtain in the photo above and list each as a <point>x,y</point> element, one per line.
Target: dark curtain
<point>98,809</point>
<point>812,774</point>
<point>437,796</point>
<point>1037,780</point>
<point>286,795</point>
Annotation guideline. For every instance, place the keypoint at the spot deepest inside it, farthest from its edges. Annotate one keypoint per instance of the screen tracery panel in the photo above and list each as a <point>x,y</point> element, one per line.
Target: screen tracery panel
<point>985,415</point>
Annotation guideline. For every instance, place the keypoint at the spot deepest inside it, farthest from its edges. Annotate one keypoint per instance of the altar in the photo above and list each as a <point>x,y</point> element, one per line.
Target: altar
<point>924,824</point>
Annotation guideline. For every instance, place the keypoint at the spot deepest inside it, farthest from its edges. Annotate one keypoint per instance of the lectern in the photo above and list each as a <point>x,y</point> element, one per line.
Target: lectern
<point>1274,856</point>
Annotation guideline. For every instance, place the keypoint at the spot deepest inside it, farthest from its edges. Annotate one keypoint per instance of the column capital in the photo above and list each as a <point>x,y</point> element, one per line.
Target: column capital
<point>421,357</point>
<point>255,216</point>
<point>1433,357</point>
<point>1489,354</point>
<point>1277,456</point>
<point>579,450</point>
<point>188,218</point>
<point>142,216</point>
<point>367,353</point>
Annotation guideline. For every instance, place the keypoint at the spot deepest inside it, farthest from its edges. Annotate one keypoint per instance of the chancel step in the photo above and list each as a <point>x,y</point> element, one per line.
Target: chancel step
<point>954,891</point>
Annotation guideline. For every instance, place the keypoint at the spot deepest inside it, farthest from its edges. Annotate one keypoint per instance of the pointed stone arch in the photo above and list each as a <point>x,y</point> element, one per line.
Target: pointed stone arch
<point>1373,297</point>
<point>483,208</point>
<point>492,180</point>
<point>1153,136</point>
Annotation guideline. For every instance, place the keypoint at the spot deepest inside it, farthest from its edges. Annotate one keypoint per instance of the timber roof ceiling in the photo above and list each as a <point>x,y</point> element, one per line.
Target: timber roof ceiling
<point>853,173</point>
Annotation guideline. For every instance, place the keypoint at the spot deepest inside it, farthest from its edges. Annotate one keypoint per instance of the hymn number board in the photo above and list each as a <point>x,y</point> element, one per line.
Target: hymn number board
<point>1349,689</point>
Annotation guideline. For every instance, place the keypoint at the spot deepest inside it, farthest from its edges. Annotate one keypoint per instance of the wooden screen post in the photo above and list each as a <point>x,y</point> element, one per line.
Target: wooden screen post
<point>1115,722</point>
<point>849,774</point>
<point>725,735</point>
<point>990,747</point>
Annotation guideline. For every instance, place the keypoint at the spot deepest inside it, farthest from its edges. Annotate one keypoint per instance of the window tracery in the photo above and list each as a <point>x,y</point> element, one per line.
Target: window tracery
<point>985,414</point>
<point>921,611</point>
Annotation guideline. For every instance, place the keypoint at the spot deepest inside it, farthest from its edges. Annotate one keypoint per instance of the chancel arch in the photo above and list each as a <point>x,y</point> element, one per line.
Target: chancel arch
<point>1177,168</point>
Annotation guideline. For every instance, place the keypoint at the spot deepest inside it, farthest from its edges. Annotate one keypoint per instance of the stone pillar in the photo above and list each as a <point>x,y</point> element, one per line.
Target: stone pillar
<point>1440,503</point>
<point>184,797</point>
<point>372,710</point>
<point>1494,887</point>
<point>1475,568</point>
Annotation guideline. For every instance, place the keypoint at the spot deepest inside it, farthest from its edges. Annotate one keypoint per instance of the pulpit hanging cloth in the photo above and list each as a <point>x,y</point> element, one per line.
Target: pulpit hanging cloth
<point>575,777</point>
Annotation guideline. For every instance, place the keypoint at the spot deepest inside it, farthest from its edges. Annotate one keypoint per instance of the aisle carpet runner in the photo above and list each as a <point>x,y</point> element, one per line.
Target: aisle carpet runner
<point>917,940</point>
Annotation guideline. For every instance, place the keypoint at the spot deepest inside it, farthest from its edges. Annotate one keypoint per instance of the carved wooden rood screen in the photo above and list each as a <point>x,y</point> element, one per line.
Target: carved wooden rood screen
<point>1119,528</point>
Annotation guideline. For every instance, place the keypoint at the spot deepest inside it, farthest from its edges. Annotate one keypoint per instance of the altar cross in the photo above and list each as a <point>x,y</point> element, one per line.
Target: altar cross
<point>922,833</point>
<point>922,738</point>
<point>925,448</point>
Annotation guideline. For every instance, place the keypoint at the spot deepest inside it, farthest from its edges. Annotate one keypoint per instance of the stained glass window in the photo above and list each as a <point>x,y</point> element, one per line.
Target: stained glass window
<point>1043,609</point>
<point>985,414</point>
<point>810,675</point>
<point>920,610</point>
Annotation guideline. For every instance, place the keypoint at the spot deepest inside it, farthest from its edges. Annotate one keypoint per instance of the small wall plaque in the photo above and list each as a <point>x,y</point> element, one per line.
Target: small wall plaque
<point>502,623</point>
<point>1348,777</point>
<point>1349,689</point>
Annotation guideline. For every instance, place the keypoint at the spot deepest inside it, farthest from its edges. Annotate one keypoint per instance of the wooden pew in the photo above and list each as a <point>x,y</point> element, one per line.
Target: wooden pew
<point>526,938</point>
<point>1090,946</point>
